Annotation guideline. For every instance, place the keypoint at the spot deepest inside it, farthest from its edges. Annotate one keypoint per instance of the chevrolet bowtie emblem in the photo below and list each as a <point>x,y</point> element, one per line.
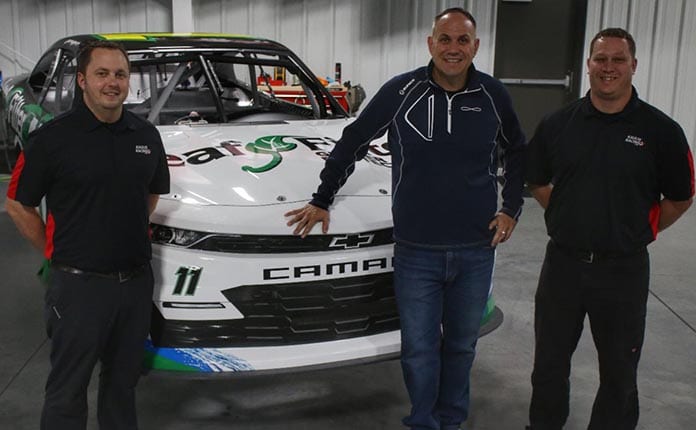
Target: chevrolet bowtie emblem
<point>351,241</point>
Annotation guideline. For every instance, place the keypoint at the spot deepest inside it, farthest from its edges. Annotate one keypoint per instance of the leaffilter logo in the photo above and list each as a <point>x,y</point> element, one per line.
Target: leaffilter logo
<point>25,117</point>
<point>271,145</point>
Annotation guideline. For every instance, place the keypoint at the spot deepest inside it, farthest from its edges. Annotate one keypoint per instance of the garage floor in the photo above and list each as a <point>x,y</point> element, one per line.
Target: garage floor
<point>372,396</point>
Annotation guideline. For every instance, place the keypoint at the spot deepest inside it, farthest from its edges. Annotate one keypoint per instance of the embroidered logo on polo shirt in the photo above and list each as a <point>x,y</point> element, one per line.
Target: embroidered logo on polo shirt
<point>635,140</point>
<point>142,149</point>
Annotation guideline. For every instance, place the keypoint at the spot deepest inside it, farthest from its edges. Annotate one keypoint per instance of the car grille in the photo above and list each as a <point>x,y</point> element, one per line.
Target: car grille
<point>292,313</point>
<point>264,244</point>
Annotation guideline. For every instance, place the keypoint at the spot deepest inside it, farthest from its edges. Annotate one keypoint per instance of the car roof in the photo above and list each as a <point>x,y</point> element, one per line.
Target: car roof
<point>144,41</point>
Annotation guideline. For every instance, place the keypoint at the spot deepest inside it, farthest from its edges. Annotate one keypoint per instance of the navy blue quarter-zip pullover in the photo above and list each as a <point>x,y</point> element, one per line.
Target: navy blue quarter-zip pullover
<point>444,149</point>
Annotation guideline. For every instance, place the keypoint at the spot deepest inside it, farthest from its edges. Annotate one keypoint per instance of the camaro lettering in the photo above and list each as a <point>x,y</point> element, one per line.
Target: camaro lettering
<point>316,270</point>
<point>342,267</point>
<point>307,270</point>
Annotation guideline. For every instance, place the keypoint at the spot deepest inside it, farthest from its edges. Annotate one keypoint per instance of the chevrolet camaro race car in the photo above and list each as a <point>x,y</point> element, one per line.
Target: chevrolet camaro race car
<point>246,127</point>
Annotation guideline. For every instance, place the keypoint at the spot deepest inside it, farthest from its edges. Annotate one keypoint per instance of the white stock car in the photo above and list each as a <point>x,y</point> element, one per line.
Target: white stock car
<point>246,127</point>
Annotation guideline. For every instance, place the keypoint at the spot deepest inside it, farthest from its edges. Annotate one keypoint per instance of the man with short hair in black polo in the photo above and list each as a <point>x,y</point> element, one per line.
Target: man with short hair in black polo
<point>101,170</point>
<point>611,171</point>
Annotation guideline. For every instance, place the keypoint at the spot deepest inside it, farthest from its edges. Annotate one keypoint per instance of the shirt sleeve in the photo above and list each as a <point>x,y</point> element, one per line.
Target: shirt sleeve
<point>14,178</point>
<point>372,123</point>
<point>675,166</point>
<point>514,146</point>
<point>30,177</point>
<point>160,180</point>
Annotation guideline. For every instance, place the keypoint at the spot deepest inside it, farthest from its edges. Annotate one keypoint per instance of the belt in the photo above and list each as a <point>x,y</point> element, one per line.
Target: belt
<point>590,257</point>
<point>120,276</point>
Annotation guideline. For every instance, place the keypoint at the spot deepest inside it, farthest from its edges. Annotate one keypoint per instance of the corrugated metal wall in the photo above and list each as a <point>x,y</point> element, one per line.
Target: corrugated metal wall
<point>665,48</point>
<point>373,39</point>
<point>28,27</point>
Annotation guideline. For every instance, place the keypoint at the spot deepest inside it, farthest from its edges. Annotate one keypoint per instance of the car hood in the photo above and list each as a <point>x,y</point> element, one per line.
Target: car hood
<point>263,164</point>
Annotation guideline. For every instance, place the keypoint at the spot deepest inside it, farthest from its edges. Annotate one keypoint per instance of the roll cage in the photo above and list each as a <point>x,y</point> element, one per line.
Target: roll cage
<point>219,85</point>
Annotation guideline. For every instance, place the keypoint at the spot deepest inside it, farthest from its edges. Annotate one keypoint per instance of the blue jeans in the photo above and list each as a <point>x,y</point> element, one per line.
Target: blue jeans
<point>441,296</point>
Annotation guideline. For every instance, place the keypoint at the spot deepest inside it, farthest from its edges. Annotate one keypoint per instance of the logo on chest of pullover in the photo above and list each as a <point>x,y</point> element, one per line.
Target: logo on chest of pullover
<point>470,109</point>
<point>408,84</point>
<point>635,140</point>
<point>142,149</point>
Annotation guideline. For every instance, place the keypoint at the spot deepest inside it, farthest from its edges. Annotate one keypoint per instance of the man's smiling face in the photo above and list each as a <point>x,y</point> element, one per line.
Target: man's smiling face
<point>453,46</point>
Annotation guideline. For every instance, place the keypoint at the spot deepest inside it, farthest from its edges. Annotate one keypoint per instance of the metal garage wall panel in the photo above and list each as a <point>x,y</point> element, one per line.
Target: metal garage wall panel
<point>666,51</point>
<point>293,27</point>
<point>346,35</point>
<point>371,68</point>
<point>28,27</point>
<point>619,9</point>
<point>208,16</point>
<point>664,59</point>
<point>6,39</point>
<point>643,17</point>
<point>112,25</point>
<point>159,15</point>
<point>234,18</point>
<point>373,40</point>
<point>319,37</point>
<point>685,94</point>
<point>83,18</point>
<point>12,60</point>
<point>57,21</point>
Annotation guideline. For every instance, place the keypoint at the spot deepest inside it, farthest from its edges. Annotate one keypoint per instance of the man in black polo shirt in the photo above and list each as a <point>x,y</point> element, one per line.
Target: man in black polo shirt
<point>611,172</point>
<point>100,169</point>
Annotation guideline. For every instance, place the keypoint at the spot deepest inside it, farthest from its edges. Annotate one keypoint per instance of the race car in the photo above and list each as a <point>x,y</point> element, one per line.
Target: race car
<point>246,127</point>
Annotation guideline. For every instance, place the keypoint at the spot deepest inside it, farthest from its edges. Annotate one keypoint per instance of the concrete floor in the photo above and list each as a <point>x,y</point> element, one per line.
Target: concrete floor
<point>372,396</point>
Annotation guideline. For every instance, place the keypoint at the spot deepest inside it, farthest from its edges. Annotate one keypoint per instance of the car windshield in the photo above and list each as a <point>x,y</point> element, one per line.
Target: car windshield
<point>218,86</point>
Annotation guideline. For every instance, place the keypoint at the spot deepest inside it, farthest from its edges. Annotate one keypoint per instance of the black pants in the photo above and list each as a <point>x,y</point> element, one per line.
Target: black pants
<point>613,294</point>
<point>92,319</point>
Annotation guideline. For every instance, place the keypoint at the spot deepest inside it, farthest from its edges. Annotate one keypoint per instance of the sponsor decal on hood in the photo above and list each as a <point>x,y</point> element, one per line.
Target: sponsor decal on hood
<point>234,165</point>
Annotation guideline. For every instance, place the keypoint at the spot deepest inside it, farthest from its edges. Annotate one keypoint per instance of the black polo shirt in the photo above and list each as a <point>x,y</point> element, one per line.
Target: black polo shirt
<point>609,172</point>
<point>96,178</point>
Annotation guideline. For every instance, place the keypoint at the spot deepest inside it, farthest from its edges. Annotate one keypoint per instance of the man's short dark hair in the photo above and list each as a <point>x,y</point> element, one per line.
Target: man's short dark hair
<point>463,11</point>
<point>619,33</point>
<point>84,56</point>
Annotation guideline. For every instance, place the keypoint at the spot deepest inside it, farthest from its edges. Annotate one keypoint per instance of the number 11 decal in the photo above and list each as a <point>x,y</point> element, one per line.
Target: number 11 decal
<point>192,273</point>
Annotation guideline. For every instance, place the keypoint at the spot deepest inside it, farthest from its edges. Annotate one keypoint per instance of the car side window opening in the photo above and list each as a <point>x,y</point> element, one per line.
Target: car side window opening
<point>61,89</point>
<point>53,81</point>
<point>38,76</point>
<point>42,75</point>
